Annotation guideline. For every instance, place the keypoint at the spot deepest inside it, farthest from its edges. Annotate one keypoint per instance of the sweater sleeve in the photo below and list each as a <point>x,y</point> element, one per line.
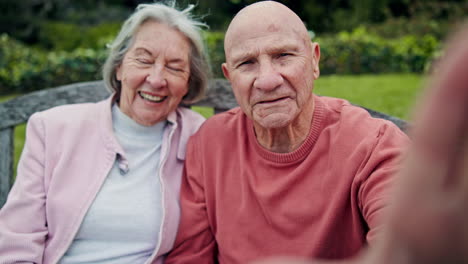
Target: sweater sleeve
<point>195,242</point>
<point>23,227</point>
<point>377,175</point>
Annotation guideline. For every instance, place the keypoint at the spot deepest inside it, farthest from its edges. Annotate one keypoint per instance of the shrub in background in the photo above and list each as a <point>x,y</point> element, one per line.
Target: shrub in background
<point>215,46</point>
<point>24,69</point>
<point>68,36</point>
<point>359,52</point>
<point>16,62</point>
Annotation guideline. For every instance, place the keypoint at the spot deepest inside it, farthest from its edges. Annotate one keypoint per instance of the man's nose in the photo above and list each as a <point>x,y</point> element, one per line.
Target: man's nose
<point>156,77</point>
<point>268,78</point>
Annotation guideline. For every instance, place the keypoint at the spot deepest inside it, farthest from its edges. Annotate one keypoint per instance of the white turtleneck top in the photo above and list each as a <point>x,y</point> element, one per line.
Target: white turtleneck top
<point>123,223</point>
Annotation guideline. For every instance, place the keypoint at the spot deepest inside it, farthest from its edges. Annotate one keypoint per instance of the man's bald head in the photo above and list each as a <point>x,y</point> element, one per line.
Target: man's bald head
<point>263,15</point>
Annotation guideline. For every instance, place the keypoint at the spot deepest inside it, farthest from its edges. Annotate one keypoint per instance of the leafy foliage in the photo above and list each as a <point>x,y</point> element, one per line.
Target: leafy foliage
<point>24,69</point>
<point>215,45</point>
<point>68,36</point>
<point>23,20</point>
<point>359,52</point>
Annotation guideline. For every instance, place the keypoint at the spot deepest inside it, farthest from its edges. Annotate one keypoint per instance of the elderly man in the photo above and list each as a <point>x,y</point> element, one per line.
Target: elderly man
<point>287,173</point>
<point>428,214</point>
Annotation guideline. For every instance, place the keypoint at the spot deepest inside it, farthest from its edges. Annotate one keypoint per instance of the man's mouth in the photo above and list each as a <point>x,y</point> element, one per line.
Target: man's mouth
<point>152,98</point>
<point>273,100</point>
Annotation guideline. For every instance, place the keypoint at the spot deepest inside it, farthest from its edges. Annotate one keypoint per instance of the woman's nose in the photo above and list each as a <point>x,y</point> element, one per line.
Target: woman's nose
<point>156,77</point>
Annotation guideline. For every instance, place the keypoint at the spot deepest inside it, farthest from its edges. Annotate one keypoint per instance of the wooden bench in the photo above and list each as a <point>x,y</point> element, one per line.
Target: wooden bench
<point>17,111</point>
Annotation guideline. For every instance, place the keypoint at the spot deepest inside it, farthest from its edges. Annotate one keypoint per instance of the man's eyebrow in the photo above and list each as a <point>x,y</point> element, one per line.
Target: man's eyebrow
<point>246,55</point>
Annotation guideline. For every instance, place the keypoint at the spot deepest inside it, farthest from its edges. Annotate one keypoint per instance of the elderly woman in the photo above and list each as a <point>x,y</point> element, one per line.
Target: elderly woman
<point>99,183</point>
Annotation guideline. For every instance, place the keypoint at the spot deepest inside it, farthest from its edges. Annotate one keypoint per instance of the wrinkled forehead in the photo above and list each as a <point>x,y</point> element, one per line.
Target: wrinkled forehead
<point>269,43</point>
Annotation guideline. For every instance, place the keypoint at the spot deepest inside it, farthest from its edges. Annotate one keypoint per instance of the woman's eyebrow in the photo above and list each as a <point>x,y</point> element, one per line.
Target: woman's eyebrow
<point>142,51</point>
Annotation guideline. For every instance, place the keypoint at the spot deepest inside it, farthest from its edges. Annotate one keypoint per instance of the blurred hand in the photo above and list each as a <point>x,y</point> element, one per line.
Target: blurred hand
<point>427,221</point>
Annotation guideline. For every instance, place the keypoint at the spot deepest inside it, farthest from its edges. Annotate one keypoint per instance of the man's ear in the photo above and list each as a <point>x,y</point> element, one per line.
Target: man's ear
<point>315,59</point>
<point>225,69</point>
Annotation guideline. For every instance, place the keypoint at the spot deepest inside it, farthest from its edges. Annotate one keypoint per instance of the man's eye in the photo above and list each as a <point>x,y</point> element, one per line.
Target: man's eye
<point>247,62</point>
<point>284,54</point>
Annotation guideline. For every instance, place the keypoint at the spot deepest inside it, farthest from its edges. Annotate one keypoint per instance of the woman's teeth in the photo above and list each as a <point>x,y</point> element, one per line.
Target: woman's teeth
<point>152,98</point>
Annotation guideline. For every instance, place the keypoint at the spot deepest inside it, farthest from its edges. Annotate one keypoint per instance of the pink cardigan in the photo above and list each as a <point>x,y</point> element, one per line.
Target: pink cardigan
<point>68,153</point>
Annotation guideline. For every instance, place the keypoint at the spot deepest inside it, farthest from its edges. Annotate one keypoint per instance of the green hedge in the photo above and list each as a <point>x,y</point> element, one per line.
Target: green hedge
<point>362,52</point>
<point>215,46</point>
<point>24,69</point>
<point>68,36</point>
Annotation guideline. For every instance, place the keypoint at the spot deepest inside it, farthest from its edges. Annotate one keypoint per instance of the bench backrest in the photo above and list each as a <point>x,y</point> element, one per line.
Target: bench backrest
<point>17,111</point>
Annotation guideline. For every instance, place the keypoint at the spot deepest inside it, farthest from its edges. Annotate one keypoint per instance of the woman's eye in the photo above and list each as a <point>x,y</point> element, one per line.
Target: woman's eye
<point>144,61</point>
<point>176,69</point>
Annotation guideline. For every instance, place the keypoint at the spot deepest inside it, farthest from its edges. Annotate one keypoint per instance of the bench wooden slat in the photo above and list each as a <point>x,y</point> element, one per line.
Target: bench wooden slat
<point>6,162</point>
<point>17,111</point>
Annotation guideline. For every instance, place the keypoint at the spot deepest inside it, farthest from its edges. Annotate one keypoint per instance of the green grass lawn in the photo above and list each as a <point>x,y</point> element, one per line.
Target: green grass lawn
<point>393,94</point>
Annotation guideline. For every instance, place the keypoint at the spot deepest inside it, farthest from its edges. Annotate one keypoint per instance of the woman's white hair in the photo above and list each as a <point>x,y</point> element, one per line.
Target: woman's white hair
<point>181,20</point>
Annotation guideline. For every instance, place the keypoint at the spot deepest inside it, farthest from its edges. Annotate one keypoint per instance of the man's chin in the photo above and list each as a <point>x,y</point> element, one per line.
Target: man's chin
<point>273,120</point>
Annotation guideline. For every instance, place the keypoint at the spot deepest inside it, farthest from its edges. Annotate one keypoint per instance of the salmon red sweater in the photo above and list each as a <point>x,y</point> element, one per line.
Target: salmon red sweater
<point>241,202</point>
